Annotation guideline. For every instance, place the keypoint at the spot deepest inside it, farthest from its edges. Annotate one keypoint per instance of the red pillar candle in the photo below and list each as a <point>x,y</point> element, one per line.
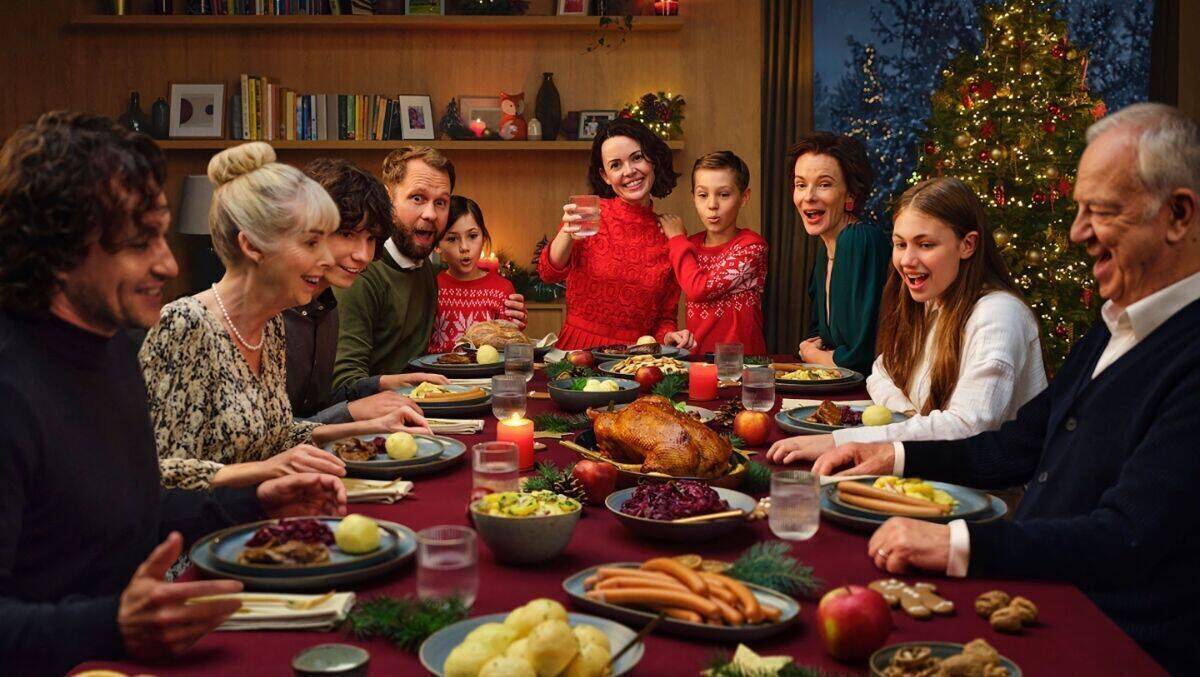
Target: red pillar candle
<point>477,126</point>
<point>489,262</point>
<point>702,381</point>
<point>520,432</point>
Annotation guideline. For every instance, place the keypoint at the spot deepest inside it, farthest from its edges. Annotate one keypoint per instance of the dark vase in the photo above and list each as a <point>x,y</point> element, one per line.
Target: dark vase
<point>549,108</point>
<point>135,118</point>
<point>160,119</point>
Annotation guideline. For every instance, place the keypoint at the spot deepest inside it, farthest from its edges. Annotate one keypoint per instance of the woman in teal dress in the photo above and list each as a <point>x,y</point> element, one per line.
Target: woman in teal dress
<point>831,180</point>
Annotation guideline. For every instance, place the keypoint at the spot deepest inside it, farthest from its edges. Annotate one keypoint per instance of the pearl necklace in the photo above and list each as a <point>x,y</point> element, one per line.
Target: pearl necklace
<point>236,333</point>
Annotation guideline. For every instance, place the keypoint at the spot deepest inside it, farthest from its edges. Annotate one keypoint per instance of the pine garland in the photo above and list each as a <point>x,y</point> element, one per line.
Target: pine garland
<point>406,621</point>
<point>561,423</point>
<point>758,478</point>
<point>768,564</point>
<point>556,370</point>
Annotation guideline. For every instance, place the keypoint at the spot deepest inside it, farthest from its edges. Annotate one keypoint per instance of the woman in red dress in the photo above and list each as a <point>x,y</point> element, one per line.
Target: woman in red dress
<point>620,285</point>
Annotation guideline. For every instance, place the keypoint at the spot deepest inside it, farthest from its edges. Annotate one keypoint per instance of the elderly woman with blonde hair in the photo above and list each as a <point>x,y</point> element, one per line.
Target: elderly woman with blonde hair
<point>214,364</point>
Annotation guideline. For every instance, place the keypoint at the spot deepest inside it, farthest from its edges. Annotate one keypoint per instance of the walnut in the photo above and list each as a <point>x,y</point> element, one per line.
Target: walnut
<point>990,601</point>
<point>1026,609</point>
<point>1006,620</point>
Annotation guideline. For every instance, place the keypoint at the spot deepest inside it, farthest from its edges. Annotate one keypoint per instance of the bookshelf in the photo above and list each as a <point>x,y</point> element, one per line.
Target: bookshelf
<point>219,144</point>
<point>653,24</point>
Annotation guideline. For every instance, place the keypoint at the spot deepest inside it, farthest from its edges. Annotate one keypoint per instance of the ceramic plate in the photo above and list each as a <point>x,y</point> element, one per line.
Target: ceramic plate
<point>202,556</point>
<point>452,451</point>
<point>666,351</point>
<point>428,448</point>
<point>866,521</point>
<point>438,646</point>
<point>428,363</point>
<point>789,607</point>
<point>789,423</point>
<point>606,368</point>
<point>850,380</point>
<point>971,502</point>
<point>882,658</point>
<point>688,533</point>
<point>437,405</point>
<point>800,415</point>
<point>228,546</point>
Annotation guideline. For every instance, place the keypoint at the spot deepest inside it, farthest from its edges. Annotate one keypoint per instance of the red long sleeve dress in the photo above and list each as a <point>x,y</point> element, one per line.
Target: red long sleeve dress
<point>724,287</point>
<point>620,285</point>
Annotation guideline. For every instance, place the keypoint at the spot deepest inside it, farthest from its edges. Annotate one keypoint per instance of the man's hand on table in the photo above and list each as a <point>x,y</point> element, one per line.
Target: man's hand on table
<point>302,495</point>
<point>153,618</point>
<point>799,448</point>
<point>903,544</point>
<point>876,458</point>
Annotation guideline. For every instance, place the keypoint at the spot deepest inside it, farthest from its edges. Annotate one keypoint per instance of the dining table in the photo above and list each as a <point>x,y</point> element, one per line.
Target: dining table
<point>1071,637</point>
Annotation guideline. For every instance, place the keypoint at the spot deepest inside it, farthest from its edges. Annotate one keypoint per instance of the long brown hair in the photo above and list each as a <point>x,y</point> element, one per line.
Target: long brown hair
<point>904,324</point>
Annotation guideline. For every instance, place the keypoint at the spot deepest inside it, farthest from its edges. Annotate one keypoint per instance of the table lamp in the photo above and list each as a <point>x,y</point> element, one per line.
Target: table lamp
<point>194,202</point>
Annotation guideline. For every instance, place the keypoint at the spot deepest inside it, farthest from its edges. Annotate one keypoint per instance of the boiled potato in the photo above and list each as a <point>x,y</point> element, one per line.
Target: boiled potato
<point>524,619</point>
<point>592,661</point>
<point>487,355</point>
<point>876,414</point>
<point>590,634</point>
<point>466,659</point>
<point>400,446</point>
<point>495,636</point>
<point>507,666</point>
<point>518,648</point>
<point>356,534</point>
<point>646,340</point>
<point>552,646</point>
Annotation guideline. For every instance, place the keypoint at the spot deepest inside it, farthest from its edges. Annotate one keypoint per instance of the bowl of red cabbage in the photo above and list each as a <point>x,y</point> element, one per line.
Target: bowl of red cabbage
<point>649,510</point>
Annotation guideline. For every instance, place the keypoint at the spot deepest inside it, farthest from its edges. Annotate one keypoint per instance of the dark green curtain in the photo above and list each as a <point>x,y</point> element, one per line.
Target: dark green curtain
<point>1164,53</point>
<point>786,113</point>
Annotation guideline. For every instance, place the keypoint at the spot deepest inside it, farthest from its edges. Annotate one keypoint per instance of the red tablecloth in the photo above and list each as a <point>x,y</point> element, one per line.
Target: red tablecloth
<point>1073,638</point>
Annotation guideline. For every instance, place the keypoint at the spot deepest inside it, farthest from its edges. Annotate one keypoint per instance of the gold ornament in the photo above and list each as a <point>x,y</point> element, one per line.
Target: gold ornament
<point>999,153</point>
<point>1002,238</point>
<point>1004,92</point>
<point>1026,67</point>
<point>1071,54</point>
<point>1052,172</point>
<point>962,140</point>
<point>1034,257</point>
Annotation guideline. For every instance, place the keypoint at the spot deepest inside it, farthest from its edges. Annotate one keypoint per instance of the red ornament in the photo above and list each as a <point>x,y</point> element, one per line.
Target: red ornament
<point>1053,108</point>
<point>988,129</point>
<point>625,114</point>
<point>1059,51</point>
<point>974,88</point>
<point>966,101</point>
<point>986,89</point>
<point>1064,186</point>
<point>1086,297</point>
<point>1060,331</point>
<point>998,194</point>
<point>1038,196</point>
<point>985,155</point>
<point>1049,126</point>
<point>931,148</point>
<point>1099,110</point>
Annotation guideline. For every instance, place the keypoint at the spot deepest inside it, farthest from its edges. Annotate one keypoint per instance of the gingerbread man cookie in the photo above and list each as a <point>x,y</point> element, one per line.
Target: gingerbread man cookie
<point>919,600</point>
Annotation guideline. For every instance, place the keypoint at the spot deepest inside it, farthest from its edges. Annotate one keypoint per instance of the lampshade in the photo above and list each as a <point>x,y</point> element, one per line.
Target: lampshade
<point>194,202</point>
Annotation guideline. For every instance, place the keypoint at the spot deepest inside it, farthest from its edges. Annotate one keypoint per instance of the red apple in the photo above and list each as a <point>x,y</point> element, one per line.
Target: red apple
<point>853,622</point>
<point>752,426</point>
<point>648,377</point>
<point>598,479</point>
<point>581,358</point>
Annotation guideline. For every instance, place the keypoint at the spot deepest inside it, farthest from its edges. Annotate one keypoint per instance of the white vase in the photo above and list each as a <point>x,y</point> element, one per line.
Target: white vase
<point>535,130</point>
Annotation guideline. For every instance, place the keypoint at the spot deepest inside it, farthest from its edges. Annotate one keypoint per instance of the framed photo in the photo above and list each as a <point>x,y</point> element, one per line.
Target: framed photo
<point>197,111</point>
<point>590,122</point>
<point>572,7</point>
<point>416,118</point>
<point>486,108</point>
<point>425,7</point>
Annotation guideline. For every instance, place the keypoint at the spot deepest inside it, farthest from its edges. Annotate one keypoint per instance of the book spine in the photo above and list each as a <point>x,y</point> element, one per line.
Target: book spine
<point>245,87</point>
<point>313,108</point>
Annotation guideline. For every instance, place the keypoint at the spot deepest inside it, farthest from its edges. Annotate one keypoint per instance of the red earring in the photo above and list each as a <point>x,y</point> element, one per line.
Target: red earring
<point>849,205</point>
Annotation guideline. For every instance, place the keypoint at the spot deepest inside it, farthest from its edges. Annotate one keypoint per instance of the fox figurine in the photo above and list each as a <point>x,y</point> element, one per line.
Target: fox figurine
<point>512,124</point>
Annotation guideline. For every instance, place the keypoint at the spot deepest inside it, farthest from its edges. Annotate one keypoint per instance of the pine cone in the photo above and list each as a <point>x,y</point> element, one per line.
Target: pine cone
<point>568,485</point>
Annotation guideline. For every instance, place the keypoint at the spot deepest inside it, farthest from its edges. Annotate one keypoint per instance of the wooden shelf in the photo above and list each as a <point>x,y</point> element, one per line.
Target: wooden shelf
<point>382,22</point>
<point>219,144</point>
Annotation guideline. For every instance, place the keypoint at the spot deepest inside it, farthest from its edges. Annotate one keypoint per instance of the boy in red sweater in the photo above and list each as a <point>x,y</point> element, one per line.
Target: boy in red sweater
<point>722,270</point>
<point>466,294</point>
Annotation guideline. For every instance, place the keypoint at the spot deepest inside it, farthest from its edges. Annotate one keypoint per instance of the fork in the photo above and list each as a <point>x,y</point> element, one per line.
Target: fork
<point>292,604</point>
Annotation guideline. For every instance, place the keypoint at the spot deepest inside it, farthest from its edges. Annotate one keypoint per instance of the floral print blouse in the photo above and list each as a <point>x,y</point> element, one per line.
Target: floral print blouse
<point>208,408</point>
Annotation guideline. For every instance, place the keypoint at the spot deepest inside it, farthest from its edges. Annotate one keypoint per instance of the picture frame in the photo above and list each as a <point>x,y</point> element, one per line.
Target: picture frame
<point>572,7</point>
<point>425,7</point>
<point>486,108</point>
<point>197,111</point>
<point>590,122</point>
<point>416,118</point>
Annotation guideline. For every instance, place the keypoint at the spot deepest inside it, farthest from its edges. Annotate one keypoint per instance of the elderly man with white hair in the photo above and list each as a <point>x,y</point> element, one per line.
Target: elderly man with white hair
<point>1110,449</point>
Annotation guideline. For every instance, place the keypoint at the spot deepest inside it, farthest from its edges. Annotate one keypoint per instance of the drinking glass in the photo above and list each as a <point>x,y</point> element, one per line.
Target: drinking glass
<point>588,207</point>
<point>758,389</point>
<point>495,467</point>
<point>508,396</point>
<point>447,563</point>
<point>729,361</point>
<point>518,359</point>
<point>795,505</point>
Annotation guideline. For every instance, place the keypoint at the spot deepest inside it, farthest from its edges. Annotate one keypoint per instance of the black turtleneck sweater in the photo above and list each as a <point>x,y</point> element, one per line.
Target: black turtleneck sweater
<point>80,501</point>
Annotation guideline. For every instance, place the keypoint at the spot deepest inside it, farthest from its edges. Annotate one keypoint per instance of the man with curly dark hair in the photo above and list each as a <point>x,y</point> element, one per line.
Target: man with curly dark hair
<point>86,532</point>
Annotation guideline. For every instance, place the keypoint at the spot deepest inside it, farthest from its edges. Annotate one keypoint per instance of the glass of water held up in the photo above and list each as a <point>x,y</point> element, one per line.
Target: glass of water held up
<point>518,359</point>
<point>508,396</point>
<point>588,209</point>
<point>447,563</point>
<point>795,505</point>
<point>729,361</point>
<point>758,389</point>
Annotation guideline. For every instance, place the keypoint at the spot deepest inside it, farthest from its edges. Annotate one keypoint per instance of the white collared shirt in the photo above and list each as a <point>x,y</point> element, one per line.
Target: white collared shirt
<point>404,262</point>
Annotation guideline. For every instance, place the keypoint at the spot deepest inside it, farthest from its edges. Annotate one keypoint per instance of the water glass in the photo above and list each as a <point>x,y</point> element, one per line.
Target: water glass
<point>795,505</point>
<point>494,467</point>
<point>729,361</point>
<point>588,207</point>
<point>508,396</point>
<point>518,359</point>
<point>758,389</point>
<point>447,563</point>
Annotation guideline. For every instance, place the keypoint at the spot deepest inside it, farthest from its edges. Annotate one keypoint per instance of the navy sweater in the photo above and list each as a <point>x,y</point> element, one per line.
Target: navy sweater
<point>1113,466</point>
<point>80,501</point>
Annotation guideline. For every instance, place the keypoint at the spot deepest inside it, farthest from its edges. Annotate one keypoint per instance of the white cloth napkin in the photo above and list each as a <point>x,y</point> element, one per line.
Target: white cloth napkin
<point>453,426</point>
<point>375,491</point>
<point>257,614</point>
<point>789,403</point>
<point>481,382</point>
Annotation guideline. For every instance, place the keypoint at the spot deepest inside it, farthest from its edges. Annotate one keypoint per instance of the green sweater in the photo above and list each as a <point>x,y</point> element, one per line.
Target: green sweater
<point>386,319</point>
<point>859,271</point>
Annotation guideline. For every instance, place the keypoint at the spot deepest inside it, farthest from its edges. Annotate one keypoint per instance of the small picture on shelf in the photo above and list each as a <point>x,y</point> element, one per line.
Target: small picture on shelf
<point>425,7</point>
<point>572,7</point>
<point>486,108</point>
<point>416,118</point>
<point>591,121</point>
<point>197,111</point>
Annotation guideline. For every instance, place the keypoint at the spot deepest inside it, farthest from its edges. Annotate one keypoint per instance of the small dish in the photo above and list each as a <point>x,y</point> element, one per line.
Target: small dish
<point>663,530</point>
<point>331,659</point>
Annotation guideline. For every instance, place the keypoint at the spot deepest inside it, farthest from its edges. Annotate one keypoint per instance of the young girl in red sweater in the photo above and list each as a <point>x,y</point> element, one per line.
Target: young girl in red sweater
<point>722,270</point>
<point>466,294</point>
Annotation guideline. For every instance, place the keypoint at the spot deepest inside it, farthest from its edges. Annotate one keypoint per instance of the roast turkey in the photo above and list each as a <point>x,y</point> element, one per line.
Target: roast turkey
<point>663,439</point>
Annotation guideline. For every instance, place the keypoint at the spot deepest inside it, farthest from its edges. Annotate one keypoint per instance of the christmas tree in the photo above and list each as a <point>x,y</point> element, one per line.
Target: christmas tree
<point>1010,120</point>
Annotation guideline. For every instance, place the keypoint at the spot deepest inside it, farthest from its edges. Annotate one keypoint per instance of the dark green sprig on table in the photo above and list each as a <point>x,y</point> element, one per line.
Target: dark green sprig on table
<point>554,370</point>
<point>756,360</point>
<point>734,441</point>
<point>758,478</point>
<point>561,423</point>
<point>550,477</point>
<point>769,565</point>
<point>406,621</point>
<point>721,666</point>
<point>670,385</point>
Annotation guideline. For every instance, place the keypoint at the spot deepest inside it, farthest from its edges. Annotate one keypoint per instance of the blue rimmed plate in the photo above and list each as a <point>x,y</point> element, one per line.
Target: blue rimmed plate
<point>449,452</point>
<point>666,530</point>
<point>430,364</point>
<point>847,379</point>
<point>881,659</point>
<point>788,607</point>
<point>606,368</point>
<point>971,502</point>
<point>437,647</point>
<point>861,520</point>
<point>429,447</point>
<point>436,405</point>
<point>799,418</point>
<point>227,547</point>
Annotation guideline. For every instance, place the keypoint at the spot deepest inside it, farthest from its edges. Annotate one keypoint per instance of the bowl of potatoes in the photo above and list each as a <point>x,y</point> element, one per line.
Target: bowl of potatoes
<point>578,394</point>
